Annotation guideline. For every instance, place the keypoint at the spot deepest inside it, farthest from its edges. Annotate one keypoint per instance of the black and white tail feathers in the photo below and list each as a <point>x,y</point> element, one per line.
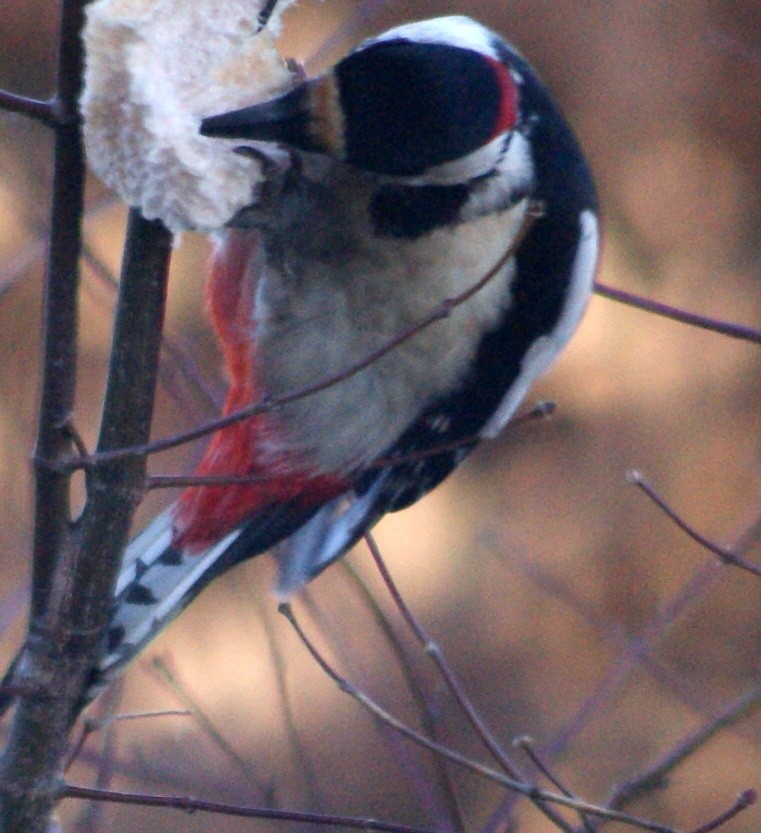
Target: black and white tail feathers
<point>157,581</point>
<point>155,584</point>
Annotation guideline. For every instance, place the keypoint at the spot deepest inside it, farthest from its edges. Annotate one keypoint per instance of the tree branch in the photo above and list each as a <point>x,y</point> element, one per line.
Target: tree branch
<point>51,532</point>
<point>747,798</point>
<point>65,637</point>
<point>482,731</point>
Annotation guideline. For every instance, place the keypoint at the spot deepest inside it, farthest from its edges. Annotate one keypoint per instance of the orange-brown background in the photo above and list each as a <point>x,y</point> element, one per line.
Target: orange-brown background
<point>535,564</point>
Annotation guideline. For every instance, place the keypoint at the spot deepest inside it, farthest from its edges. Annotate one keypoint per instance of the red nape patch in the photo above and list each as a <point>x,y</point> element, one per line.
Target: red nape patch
<point>508,107</point>
<point>205,514</point>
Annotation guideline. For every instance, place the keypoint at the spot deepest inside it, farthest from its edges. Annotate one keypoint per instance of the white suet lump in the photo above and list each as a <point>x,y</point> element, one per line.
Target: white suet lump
<point>154,69</point>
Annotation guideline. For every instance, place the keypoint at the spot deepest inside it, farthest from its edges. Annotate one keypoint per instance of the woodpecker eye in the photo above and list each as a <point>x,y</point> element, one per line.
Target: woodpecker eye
<point>410,106</point>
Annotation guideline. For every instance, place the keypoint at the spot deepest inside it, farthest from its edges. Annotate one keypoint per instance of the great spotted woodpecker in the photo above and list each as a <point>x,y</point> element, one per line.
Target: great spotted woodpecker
<point>409,171</point>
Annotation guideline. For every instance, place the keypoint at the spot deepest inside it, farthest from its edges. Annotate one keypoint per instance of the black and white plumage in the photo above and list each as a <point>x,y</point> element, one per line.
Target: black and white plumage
<point>412,166</point>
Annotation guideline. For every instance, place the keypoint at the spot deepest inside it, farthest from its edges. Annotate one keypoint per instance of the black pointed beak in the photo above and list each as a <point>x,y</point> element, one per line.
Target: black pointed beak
<point>285,119</point>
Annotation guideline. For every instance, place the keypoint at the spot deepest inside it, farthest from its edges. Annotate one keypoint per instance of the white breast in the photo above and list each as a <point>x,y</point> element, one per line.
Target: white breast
<point>333,293</point>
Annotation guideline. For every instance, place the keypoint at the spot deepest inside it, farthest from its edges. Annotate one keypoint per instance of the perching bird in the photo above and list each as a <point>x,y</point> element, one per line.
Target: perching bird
<point>411,167</point>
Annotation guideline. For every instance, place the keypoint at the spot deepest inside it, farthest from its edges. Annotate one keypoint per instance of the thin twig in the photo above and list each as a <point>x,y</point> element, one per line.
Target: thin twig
<point>266,404</point>
<point>635,651</point>
<point>47,112</point>
<point>433,651</point>
<point>119,718</point>
<point>194,805</point>
<point>454,685</point>
<point>169,679</point>
<point>181,481</point>
<point>725,555</point>
<point>179,357</point>
<point>654,777</point>
<point>91,725</point>
<point>541,410</point>
<point>715,325</point>
<point>409,766</point>
<point>632,655</point>
<point>13,268</point>
<point>638,648</point>
<point>746,799</point>
<point>303,762</point>
<point>528,790</point>
<point>527,745</point>
<point>93,812</point>
<point>426,709</point>
<point>611,631</point>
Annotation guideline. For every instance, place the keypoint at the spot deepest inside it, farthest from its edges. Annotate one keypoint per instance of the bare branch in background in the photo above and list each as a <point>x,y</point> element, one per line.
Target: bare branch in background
<point>726,328</point>
<point>655,776</point>
<point>725,555</point>
<point>527,745</point>
<point>520,787</point>
<point>746,799</point>
<point>194,805</point>
<point>169,679</point>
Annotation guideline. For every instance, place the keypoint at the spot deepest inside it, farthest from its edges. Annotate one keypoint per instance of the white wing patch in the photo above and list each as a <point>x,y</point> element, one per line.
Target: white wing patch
<point>546,349</point>
<point>326,537</point>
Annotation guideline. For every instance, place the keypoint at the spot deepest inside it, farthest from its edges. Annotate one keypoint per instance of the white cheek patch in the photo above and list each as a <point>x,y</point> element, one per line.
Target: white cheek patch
<point>516,165</point>
<point>512,167</point>
<point>514,176</point>
<point>546,348</point>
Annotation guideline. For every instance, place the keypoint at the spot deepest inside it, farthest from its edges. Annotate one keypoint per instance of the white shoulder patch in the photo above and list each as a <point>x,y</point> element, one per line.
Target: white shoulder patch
<point>546,349</point>
<point>453,30</point>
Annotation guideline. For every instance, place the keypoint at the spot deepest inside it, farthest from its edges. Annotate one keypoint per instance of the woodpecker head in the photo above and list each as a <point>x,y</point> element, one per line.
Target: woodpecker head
<point>432,102</point>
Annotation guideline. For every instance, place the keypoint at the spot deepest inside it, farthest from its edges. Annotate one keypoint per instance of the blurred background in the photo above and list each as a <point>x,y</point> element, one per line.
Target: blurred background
<point>570,607</point>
